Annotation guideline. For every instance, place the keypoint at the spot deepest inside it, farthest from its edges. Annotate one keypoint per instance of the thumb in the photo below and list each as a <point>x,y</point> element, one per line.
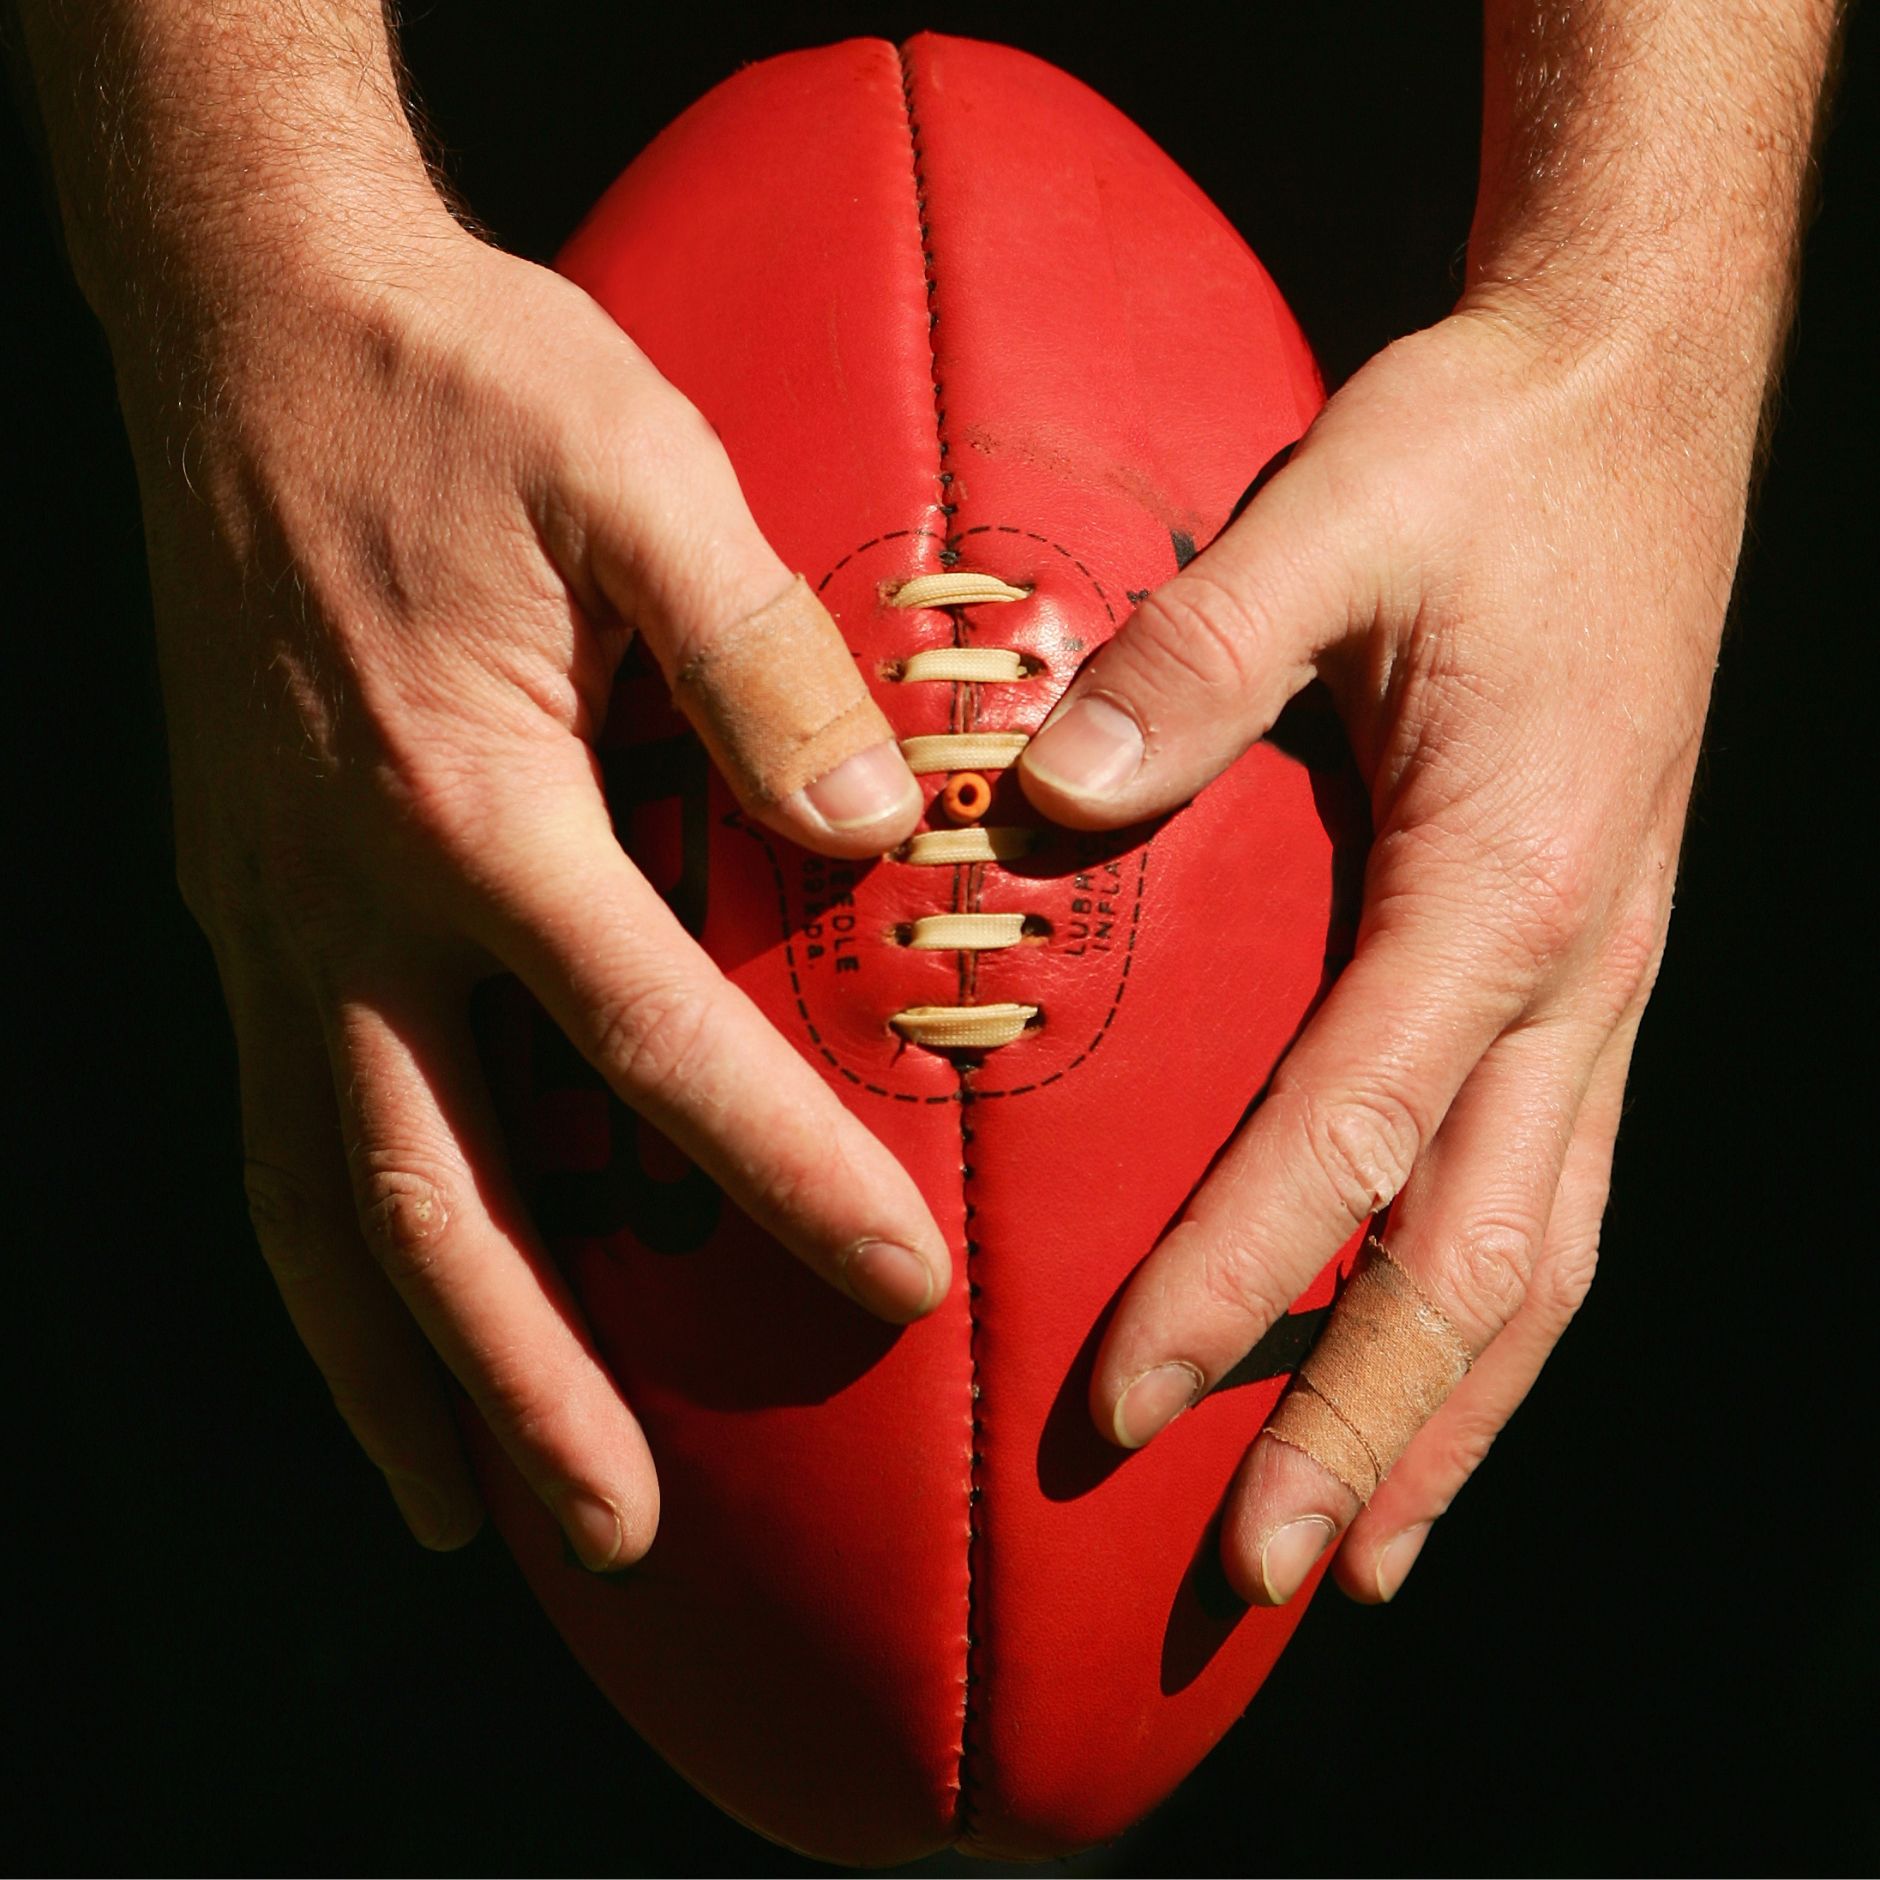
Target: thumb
<point>1206,663</point>
<point>753,658</point>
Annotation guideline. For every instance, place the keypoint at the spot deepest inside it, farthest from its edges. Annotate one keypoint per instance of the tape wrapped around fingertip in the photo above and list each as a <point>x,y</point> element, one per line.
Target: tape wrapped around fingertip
<point>1385,1364</point>
<point>777,699</point>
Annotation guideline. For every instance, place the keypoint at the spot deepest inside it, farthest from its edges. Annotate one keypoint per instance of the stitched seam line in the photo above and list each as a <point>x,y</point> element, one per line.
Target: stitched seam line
<point>975,1687</point>
<point>942,478</point>
<point>965,899</point>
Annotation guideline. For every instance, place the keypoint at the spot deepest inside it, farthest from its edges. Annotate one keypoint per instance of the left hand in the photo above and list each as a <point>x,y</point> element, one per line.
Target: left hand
<point>1507,546</point>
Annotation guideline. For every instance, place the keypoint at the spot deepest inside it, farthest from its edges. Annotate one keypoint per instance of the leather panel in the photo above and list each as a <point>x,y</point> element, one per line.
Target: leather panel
<point>1116,369</point>
<point>947,309</point>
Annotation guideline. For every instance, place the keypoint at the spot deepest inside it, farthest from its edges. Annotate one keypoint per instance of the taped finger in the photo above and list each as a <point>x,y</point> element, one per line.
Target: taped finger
<point>1416,1317</point>
<point>1386,1363</point>
<point>667,544</point>
<point>1385,1539</point>
<point>779,703</point>
<point>1329,1147</point>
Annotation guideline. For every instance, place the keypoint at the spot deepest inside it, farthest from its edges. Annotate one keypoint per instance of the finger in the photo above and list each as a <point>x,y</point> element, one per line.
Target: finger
<point>1384,1540</point>
<point>430,1183</point>
<point>683,1046</point>
<point>1349,1112</point>
<point>372,1356</point>
<point>752,655</point>
<point>1205,664</point>
<point>1464,1239</point>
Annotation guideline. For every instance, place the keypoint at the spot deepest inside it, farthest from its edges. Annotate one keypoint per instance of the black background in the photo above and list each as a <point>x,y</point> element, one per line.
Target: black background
<point>1644,1637</point>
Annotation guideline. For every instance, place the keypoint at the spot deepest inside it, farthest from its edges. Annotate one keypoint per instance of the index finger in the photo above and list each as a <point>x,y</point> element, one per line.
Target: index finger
<point>644,1003</point>
<point>1350,1110</point>
<point>753,657</point>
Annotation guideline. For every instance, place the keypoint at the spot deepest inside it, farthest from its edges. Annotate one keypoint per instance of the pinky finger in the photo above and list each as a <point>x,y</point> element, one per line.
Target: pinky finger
<point>382,1376</point>
<point>1384,1541</point>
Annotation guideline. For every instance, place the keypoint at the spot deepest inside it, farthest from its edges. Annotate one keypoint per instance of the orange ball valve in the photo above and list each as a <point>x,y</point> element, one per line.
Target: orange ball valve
<point>966,797</point>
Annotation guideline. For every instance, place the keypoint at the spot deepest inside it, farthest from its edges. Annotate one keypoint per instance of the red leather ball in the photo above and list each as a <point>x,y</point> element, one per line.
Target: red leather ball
<point>949,311</point>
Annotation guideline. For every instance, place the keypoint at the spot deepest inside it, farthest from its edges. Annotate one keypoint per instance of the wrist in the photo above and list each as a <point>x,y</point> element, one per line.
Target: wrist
<point>1642,185</point>
<point>298,266</point>
<point>1677,370</point>
<point>213,160</point>
<point>267,232</point>
<point>1699,319</point>
<point>1628,400</point>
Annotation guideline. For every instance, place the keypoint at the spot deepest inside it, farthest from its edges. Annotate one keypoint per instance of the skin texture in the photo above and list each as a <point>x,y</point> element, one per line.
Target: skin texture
<point>379,710</point>
<point>1507,546</point>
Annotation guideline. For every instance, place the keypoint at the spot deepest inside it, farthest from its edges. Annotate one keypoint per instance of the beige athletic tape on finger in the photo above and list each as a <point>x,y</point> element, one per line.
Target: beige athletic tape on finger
<point>777,698</point>
<point>1379,1373</point>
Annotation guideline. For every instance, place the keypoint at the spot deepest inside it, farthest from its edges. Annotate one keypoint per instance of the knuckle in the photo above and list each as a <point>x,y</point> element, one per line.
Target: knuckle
<point>1197,629</point>
<point>654,1039</point>
<point>223,894</point>
<point>194,889</point>
<point>1546,892</point>
<point>1464,1438</point>
<point>656,440</point>
<point>297,1234</point>
<point>1485,1277</point>
<point>405,1212</point>
<point>369,1407</point>
<point>792,1193</point>
<point>1630,958</point>
<point>437,790</point>
<point>1553,889</point>
<point>1526,896</point>
<point>1563,1279</point>
<point>1362,1148</point>
<point>520,1406</point>
<point>1233,1281</point>
<point>686,433</point>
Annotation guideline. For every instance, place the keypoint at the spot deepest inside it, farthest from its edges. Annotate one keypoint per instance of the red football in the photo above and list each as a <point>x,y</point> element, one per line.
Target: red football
<point>952,315</point>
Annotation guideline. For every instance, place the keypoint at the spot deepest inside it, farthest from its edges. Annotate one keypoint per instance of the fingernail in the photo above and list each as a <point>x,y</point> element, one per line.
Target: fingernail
<point>1290,1554</point>
<point>426,1512</point>
<point>1154,1401</point>
<point>1395,1562</point>
<point>1093,750</point>
<point>889,1279</point>
<point>869,787</point>
<point>592,1527</point>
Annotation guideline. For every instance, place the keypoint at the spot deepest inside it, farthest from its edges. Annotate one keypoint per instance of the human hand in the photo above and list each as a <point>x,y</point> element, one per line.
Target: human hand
<point>1512,571</point>
<point>1507,546</point>
<point>395,560</point>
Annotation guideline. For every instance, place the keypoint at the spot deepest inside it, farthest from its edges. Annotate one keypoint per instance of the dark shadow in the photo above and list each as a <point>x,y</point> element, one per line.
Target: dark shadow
<point>1310,730</point>
<point>1206,1608</point>
<point>600,1183</point>
<point>1077,851</point>
<point>1265,475</point>
<point>670,810</point>
<point>1280,1351</point>
<point>1072,1458</point>
<point>1061,851</point>
<point>1203,1614</point>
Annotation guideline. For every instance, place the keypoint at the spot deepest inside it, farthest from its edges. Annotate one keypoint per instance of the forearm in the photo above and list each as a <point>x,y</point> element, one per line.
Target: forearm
<point>208,158</point>
<point>1643,173</point>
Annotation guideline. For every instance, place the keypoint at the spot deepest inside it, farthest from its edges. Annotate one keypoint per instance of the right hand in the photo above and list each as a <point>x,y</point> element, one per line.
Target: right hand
<point>396,553</point>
